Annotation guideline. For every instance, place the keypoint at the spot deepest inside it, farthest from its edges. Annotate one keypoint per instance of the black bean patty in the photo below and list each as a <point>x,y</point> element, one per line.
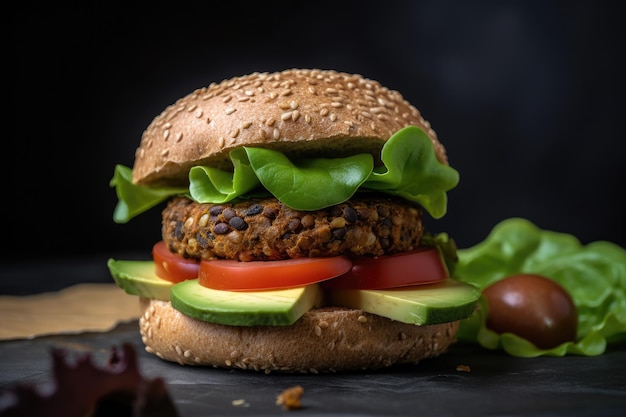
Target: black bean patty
<point>256,230</point>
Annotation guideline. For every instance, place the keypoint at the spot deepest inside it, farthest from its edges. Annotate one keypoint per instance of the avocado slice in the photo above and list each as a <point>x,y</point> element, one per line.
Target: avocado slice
<point>242,308</point>
<point>139,278</point>
<point>441,302</point>
<point>449,300</point>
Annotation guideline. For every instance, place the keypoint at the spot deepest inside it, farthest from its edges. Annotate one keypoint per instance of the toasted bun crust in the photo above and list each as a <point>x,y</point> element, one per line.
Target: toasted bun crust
<point>323,340</point>
<point>326,112</point>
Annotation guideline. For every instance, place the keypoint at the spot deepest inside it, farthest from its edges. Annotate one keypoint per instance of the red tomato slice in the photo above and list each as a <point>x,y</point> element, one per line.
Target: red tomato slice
<point>171,266</point>
<point>270,275</point>
<point>423,266</point>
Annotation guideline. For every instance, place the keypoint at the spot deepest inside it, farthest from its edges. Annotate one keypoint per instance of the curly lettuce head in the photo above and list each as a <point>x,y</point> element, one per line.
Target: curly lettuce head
<point>593,274</point>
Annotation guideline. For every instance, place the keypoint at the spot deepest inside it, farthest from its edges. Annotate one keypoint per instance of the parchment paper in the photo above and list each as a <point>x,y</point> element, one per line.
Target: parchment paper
<point>76,309</point>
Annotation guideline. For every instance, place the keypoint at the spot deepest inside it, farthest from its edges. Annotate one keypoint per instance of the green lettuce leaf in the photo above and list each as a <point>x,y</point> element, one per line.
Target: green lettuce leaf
<point>313,184</point>
<point>134,199</point>
<point>593,274</point>
<point>446,247</point>
<point>212,185</point>
<point>411,170</point>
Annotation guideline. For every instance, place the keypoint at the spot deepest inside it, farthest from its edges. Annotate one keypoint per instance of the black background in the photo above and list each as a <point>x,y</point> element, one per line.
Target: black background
<point>527,96</point>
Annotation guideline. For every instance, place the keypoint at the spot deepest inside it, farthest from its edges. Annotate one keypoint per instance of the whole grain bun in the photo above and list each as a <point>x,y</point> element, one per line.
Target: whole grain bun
<point>327,112</point>
<point>329,339</point>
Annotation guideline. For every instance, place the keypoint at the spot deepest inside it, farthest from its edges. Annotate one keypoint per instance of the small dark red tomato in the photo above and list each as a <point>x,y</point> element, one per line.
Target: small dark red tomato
<point>533,307</point>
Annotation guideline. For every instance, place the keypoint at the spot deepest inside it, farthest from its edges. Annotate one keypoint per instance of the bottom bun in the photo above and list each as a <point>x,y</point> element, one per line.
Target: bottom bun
<point>329,339</point>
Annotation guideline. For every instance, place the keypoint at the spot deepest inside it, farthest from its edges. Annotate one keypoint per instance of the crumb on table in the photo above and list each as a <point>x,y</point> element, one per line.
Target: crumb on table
<point>290,398</point>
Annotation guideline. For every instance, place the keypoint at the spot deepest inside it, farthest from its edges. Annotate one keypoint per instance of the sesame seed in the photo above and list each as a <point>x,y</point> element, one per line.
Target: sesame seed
<point>230,111</point>
<point>226,99</point>
<point>286,116</point>
<point>323,112</point>
<point>246,125</point>
<point>221,141</point>
<point>362,319</point>
<point>270,122</point>
<point>179,136</point>
<point>336,104</point>
<point>318,331</point>
<point>166,134</point>
<point>333,117</point>
<point>276,134</point>
<point>295,115</point>
<point>284,106</point>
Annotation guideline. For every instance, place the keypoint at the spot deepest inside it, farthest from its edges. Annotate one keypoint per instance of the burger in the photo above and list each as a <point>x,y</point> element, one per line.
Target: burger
<point>293,207</point>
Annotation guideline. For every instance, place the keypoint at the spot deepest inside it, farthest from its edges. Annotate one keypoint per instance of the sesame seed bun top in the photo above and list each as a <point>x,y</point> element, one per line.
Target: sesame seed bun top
<point>327,113</point>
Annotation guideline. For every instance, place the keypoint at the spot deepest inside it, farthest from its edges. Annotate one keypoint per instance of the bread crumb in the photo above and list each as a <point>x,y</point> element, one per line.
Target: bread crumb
<point>290,398</point>
<point>463,368</point>
<point>240,402</point>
